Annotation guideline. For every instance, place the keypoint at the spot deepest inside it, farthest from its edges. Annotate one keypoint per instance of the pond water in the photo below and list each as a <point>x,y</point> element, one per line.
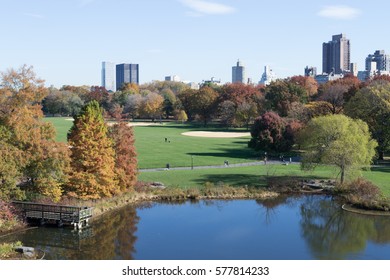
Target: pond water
<point>287,228</point>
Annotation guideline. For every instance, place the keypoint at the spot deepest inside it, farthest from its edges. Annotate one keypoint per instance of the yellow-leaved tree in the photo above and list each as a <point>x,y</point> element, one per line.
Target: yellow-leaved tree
<point>30,157</point>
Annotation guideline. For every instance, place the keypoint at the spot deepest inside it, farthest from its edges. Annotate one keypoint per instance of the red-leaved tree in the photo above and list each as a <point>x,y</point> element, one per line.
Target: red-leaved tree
<point>125,155</point>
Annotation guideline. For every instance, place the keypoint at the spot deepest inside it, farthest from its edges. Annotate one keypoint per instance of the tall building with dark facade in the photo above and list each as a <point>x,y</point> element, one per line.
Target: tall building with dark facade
<point>126,73</point>
<point>238,73</point>
<point>336,55</point>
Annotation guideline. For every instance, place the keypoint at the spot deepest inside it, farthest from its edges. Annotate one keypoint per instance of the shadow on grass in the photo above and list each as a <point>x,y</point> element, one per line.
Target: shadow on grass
<point>235,180</point>
<point>238,180</point>
<point>385,169</point>
<point>228,153</point>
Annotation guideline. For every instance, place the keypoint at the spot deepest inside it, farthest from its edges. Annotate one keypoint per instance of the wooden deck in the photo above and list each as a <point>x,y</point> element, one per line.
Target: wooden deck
<point>60,214</point>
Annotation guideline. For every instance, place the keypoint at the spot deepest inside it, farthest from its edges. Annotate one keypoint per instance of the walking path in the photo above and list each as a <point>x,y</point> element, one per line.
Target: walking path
<point>269,162</point>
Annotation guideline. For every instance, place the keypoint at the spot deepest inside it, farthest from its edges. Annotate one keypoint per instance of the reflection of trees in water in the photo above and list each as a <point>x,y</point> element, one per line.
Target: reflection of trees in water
<point>112,236</point>
<point>218,203</point>
<point>270,206</point>
<point>335,234</point>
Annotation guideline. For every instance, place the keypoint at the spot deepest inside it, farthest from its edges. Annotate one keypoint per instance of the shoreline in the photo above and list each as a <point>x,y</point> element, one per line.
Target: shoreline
<point>106,205</point>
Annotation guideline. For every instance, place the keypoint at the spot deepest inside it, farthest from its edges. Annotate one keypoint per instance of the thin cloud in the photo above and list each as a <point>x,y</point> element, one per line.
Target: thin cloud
<point>339,12</point>
<point>200,7</point>
<point>33,15</point>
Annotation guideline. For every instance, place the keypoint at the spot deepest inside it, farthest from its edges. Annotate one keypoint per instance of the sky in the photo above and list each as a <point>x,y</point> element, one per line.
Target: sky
<point>67,40</point>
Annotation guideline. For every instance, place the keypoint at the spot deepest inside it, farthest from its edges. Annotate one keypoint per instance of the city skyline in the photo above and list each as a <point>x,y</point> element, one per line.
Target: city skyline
<point>66,41</point>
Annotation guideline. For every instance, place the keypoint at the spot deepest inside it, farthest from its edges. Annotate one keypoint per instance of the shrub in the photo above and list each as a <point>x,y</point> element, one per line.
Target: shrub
<point>7,249</point>
<point>8,217</point>
<point>366,195</point>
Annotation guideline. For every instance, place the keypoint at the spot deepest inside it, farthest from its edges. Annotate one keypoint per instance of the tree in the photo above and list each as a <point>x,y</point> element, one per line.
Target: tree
<point>62,102</point>
<point>337,140</point>
<point>246,113</point>
<point>372,105</point>
<point>169,102</point>
<point>309,84</point>
<point>281,94</point>
<point>34,160</point>
<point>151,106</point>
<point>130,88</point>
<point>186,98</point>
<point>100,94</point>
<point>92,154</point>
<point>334,96</point>
<point>181,116</point>
<point>204,103</point>
<point>318,108</point>
<point>133,105</point>
<point>227,112</point>
<point>267,133</point>
<point>239,93</point>
<point>12,163</point>
<point>125,155</point>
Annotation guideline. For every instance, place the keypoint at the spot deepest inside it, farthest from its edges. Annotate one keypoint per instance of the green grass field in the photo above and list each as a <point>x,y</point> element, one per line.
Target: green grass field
<point>180,150</point>
<point>62,126</point>
<point>256,175</point>
<point>154,152</point>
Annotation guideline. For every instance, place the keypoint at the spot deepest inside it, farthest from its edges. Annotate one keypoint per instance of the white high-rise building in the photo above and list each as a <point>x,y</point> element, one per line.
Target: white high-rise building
<point>268,76</point>
<point>109,75</point>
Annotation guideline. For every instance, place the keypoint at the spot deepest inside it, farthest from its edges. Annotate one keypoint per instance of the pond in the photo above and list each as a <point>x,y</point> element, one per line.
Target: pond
<point>285,228</point>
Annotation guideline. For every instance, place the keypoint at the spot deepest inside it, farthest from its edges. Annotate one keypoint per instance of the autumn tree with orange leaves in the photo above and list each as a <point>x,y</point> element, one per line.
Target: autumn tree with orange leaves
<point>93,156</point>
<point>125,155</point>
<point>30,158</point>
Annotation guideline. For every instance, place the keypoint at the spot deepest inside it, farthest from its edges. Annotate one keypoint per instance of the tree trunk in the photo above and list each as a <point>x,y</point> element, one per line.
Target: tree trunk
<point>342,174</point>
<point>381,155</point>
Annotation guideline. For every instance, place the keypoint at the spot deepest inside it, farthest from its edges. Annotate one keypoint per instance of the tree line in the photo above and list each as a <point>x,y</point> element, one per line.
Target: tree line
<point>275,113</point>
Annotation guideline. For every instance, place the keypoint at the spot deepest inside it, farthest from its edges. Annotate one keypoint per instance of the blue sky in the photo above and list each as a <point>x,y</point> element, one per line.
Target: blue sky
<point>66,40</point>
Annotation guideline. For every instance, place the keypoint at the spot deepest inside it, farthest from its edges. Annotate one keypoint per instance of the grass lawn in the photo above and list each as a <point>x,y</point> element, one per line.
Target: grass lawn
<point>255,175</point>
<point>154,152</point>
<point>62,126</point>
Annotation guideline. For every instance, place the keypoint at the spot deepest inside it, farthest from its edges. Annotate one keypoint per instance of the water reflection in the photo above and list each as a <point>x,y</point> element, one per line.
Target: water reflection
<point>306,227</point>
<point>110,237</point>
<point>335,234</point>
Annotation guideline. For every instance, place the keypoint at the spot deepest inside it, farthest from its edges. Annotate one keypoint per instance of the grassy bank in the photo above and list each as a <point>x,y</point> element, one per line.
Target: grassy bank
<point>208,191</point>
<point>256,176</point>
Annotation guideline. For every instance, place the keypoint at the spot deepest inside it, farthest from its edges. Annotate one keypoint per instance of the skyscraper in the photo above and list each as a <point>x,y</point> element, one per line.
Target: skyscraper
<point>109,76</point>
<point>238,73</point>
<point>268,76</point>
<point>379,61</point>
<point>336,55</point>
<point>126,73</point>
